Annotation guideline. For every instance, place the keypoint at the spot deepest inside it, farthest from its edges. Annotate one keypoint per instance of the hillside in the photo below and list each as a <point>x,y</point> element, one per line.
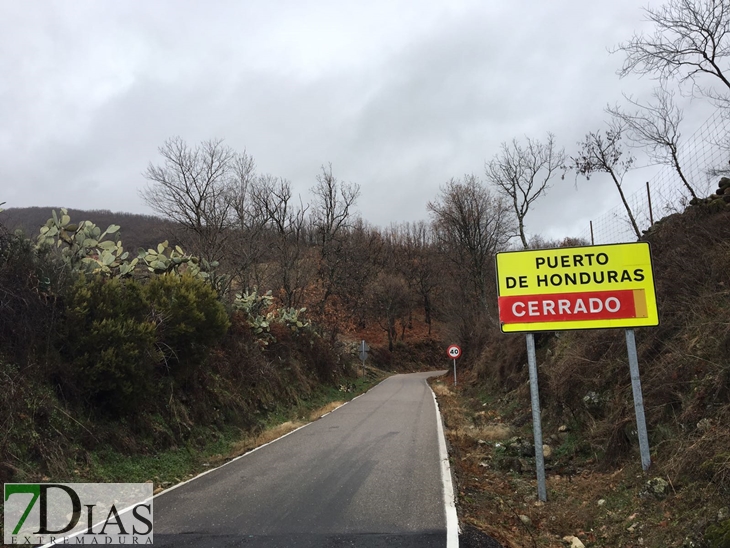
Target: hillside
<point>139,230</point>
<point>68,416</point>
<point>596,489</point>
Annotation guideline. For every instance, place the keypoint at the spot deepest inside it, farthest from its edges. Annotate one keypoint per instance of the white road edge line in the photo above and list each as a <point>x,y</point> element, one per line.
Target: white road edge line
<point>260,446</point>
<point>240,457</point>
<point>452,520</point>
<point>229,462</point>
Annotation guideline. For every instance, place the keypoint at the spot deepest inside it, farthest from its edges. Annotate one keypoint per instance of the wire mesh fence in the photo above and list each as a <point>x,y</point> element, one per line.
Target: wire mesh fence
<point>703,159</point>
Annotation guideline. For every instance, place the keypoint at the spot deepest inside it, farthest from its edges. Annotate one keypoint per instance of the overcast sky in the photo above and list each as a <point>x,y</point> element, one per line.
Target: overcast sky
<point>400,96</point>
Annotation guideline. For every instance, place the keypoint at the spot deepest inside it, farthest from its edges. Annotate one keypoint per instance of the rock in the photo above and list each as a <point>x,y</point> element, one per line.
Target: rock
<point>656,487</point>
<point>633,527</point>
<point>601,502</point>
<point>526,520</point>
<point>158,490</point>
<point>591,399</point>
<point>547,451</point>
<point>723,514</point>
<point>574,542</point>
<point>704,425</point>
<point>562,428</point>
<point>716,205</point>
<point>520,447</point>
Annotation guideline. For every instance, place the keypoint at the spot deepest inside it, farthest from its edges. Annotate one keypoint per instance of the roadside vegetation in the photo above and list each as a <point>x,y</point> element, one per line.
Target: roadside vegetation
<point>597,491</point>
<point>155,348</point>
<point>121,368</point>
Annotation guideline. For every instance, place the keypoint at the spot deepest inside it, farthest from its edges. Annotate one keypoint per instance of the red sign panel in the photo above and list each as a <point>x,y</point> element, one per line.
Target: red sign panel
<point>597,305</point>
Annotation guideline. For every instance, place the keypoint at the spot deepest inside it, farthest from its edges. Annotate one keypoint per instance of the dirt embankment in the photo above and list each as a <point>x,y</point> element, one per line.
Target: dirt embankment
<point>598,494</point>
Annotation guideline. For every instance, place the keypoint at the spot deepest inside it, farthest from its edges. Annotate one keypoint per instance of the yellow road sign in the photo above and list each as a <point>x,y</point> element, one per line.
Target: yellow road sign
<point>576,288</point>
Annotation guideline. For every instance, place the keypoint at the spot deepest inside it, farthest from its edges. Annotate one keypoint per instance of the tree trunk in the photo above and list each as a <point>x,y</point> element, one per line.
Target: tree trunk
<point>522,232</point>
<point>675,160</point>
<point>626,204</point>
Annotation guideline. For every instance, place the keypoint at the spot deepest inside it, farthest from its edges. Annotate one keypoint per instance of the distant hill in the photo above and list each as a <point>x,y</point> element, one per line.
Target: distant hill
<point>136,230</point>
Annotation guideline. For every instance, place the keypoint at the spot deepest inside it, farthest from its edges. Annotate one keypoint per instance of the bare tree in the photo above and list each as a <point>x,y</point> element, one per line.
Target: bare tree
<point>655,126</point>
<point>361,259</point>
<point>331,218</point>
<point>522,173</point>
<point>248,243</point>
<point>474,224</point>
<point>193,188</point>
<point>690,39</point>
<point>333,202</point>
<point>414,257</point>
<point>388,300</point>
<point>603,153</point>
<point>287,222</point>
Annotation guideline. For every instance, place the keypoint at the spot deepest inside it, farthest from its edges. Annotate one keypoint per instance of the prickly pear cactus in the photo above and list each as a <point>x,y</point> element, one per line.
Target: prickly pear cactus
<point>256,309</point>
<point>293,318</point>
<point>260,316</point>
<point>85,247</point>
<point>166,259</point>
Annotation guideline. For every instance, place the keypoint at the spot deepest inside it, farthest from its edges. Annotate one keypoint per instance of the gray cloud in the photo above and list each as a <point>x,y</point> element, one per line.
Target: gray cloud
<point>399,96</point>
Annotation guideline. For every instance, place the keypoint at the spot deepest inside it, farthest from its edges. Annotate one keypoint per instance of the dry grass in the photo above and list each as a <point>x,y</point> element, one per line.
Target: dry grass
<point>267,436</point>
<point>495,488</point>
<point>490,432</point>
<point>275,432</point>
<point>318,413</point>
<point>440,389</point>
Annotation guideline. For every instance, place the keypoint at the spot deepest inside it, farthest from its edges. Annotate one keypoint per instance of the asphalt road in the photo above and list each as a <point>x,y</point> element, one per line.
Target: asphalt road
<point>366,475</point>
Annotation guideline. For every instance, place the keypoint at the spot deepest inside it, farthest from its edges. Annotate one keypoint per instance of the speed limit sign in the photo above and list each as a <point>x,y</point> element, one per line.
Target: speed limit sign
<point>453,351</point>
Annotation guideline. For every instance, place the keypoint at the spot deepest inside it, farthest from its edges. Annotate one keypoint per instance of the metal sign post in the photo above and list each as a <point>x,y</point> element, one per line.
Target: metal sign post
<point>364,349</point>
<point>638,400</point>
<point>536,418</point>
<point>587,287</point>
<point>454,352</point>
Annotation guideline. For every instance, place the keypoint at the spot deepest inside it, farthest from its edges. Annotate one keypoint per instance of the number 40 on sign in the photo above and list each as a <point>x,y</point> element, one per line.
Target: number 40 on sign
<point>454,352</point>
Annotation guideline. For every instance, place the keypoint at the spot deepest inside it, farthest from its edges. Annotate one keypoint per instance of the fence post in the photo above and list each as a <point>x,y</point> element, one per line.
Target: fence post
<point>651,213</point>
<point>592,242</point>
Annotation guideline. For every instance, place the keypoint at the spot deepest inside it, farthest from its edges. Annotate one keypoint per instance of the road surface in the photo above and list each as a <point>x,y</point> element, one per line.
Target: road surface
<point>366,475</point>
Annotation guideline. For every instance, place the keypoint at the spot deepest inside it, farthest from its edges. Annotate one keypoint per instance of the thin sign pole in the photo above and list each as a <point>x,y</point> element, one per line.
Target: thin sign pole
<point>536,419</point>
<point>638,400</point>
<point>454,371</point>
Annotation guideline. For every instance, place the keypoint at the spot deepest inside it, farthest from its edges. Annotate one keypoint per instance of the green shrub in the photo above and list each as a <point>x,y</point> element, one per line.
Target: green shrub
<point>190,320</point>
<point>718,535</point>
<point>109,341</point>
<point>25,315</point>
